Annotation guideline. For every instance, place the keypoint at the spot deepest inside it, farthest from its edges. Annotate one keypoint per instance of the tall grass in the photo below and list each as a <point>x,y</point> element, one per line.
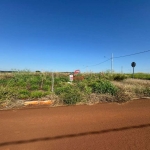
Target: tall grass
<point>145,76</point>
<point>26,85</point>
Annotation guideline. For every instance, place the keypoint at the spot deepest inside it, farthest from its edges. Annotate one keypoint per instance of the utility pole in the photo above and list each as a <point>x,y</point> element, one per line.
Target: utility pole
<point>121,69</point>
<point>112,63</point>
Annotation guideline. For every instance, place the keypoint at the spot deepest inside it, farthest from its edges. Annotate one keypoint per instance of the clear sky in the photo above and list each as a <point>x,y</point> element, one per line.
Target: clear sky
<point>65,35</point>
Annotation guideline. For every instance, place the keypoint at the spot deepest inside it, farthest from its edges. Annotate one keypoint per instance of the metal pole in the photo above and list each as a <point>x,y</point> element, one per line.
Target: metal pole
<point>133,72</point>
<point>122,69</point>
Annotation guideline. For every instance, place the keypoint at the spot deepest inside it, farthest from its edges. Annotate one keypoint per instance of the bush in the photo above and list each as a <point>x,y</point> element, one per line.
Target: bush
<point>119,77</point>
<point>71,98</point>
<point>46,88</point>
<point>63,89</point>
<point>38,94</point>
<point>84,87</point>
<point>122,96</point>
<point>34,87</point>
<point>146,91</point>
<point>23,94</point>
<point>8,93</point>
<point>103,87</point>
<point>70,94</point>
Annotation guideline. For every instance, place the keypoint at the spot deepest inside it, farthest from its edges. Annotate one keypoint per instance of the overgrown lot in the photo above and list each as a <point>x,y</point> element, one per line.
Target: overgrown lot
<point>87,88</point>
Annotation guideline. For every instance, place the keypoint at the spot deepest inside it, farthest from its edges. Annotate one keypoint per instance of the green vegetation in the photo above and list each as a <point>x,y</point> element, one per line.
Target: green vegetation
<point>145,76</point>
<point>25,85</point>
<point>103,87</point>
<point>70,94</point>
<point>87,88</point>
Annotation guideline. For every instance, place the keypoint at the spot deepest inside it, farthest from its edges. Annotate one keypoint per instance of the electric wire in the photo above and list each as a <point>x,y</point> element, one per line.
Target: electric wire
<point>101,62</point>
<point>119,57</point>
<point>132,54</point>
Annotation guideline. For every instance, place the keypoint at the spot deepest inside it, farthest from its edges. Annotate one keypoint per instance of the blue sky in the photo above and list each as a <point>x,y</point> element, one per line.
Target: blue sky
<point>65,35</point>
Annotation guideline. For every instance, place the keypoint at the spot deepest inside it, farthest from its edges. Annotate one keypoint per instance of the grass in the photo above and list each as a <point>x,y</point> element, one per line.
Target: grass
<point>24,85</point>
<point>90,88</point>
<point>145,76</point>
<point>134,88</point>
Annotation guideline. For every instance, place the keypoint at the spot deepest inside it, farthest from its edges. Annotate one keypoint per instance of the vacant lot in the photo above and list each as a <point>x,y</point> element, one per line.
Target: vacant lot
<point>97,127</point>
<point>17,87</point>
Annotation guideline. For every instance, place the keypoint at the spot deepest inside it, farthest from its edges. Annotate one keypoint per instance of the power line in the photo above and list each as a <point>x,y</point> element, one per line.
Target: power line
<point>132,54</point>
<point>101,62</point>
<point>98,63</point>
<point>119,57</point>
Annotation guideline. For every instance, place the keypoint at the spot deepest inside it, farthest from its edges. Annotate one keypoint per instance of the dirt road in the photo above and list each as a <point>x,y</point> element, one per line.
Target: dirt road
<point>96,127</point>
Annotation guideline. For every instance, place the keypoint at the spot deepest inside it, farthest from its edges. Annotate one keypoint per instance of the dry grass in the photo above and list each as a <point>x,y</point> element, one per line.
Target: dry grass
<point>130,84</point>
<point>137,82</point>
<point>6,75</point>
<point>133,88</point>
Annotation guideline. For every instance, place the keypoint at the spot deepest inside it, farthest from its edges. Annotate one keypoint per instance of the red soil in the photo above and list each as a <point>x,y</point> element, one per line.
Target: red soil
<point>96,127</point>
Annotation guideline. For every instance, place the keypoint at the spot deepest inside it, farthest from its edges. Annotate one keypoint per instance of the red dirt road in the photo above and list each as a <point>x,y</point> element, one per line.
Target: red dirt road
<point>96,127</point>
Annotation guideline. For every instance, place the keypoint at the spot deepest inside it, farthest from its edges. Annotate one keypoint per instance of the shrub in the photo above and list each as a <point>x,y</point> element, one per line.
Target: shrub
<point>83,87</point>
<point>46,88</point>
<point>8,93</point>
<point>34,87</point>
<point>122,96</point>
<point>146,91</point>
<point>23,94</point>
<point>36,94</point>
<point>71,98</point>
<point>63,89</point>
<point>35,80</point>
<point>70,94</point>
<point>103,86</point>
<point>119,77</point>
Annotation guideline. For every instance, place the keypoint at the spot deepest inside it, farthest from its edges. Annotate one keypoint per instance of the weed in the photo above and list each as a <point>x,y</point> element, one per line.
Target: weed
<point>38,94</point>
<point>23,94</point>
<point>119,77</point>
<point>103,87</point>
<point>97,86</point>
